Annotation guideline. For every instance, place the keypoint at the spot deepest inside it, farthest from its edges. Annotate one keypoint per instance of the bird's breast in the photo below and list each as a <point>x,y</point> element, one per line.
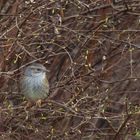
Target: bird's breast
<point>35,88</point>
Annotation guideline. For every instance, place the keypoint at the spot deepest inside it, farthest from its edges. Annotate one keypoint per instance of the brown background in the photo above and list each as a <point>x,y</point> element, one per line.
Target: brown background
<point>91,48</point>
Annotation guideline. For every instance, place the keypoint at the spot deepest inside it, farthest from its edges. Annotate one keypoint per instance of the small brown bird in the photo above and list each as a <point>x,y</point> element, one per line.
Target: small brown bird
<point>34,83</point>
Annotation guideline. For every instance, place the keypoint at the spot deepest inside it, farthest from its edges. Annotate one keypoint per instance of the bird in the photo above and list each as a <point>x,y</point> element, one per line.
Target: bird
<point>34,82</point>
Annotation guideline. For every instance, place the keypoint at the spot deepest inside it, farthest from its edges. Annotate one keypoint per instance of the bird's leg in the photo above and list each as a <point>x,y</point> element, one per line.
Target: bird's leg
<point>38,103</point>
<point>29,104</point>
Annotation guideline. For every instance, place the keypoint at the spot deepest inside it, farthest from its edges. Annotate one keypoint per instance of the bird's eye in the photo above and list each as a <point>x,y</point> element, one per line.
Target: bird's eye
<point>38,69</point>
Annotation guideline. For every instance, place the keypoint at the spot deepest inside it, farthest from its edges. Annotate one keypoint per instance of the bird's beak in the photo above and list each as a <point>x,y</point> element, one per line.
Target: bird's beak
<point>46,70</point>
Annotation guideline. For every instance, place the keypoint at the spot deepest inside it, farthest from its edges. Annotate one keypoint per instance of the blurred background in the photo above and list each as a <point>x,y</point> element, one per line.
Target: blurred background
<point>91,49</point>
